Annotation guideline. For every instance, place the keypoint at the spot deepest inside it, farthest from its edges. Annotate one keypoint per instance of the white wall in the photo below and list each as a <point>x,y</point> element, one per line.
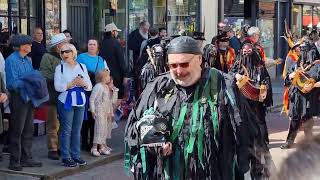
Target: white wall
<point>209,14</point>
<point>63,15</point>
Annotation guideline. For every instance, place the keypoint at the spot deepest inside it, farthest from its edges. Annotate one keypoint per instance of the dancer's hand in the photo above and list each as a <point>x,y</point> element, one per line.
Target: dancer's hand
<point>238,77</point>
<point>93,115</point>
<point>167,149</point>
<point>291,75</point>
<point>307,87</point>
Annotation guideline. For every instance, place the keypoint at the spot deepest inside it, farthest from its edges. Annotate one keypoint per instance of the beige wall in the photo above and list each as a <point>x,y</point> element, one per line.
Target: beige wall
<point>209,14</point>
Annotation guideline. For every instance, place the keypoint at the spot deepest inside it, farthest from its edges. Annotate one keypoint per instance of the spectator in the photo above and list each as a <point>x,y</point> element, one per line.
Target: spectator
<point>48,65</point>
<point>234,41</point>
<point>69,37</point>
<point>102,99</point>
<point>162,33</point>
<point>94,64</point>
<point>154,39</point>
<point>38,48</point>
<point>17,65</point>
<point>136,37</point>
<point>221,26</point>
<point>71,80</point>
<point>3,99</point>
<point>113,53</point>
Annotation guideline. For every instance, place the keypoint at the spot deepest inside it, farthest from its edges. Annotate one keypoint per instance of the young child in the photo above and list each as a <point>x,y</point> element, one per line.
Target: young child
<point>102,100</point>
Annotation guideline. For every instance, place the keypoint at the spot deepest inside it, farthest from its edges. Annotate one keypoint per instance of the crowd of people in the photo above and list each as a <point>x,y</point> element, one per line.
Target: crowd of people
<point>205,118</point>
<point>81,90</point>
<point>198,114</point>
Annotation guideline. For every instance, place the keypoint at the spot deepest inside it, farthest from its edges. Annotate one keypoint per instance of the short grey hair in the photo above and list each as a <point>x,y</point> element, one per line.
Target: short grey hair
<point>69,47</point>
<point>253,30</point>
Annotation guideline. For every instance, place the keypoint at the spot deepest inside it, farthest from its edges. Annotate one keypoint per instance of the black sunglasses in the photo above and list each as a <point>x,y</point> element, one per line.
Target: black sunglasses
<point>66,51</point>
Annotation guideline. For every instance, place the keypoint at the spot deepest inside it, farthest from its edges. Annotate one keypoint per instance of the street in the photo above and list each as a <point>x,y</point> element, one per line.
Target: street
<point>277,128</point>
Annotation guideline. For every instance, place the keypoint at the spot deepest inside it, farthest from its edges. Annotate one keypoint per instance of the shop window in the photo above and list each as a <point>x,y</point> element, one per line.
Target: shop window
<point>3,7</point>
<point>182,16</point>
<point>115,11</point>
<point>138,11</point>
<point>52,18</point>
<point>159,13</point>
<point>316,17</point>
<point>307,20</point>
<point>296,24</point>
<point>266,26</point>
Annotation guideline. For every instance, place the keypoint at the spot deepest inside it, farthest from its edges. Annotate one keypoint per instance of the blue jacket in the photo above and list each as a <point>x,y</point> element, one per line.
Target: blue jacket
<point>34,88</point>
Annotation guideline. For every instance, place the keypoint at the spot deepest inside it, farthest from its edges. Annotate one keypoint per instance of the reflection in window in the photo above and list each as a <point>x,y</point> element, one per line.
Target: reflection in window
<point>24,26</point>
<point>296,20</point>
<point>316,17</point>
<point>3,7</point>
<point>159,13</point>
<point>52,18</point>
<point>14,7</point>
<point>138,12</point>
<point>266,37</point>
<point>307,19</point>
<point>182,16</point>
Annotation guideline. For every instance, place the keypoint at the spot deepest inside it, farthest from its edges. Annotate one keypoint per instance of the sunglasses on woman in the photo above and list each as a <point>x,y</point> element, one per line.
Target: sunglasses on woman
<point>66,51</point>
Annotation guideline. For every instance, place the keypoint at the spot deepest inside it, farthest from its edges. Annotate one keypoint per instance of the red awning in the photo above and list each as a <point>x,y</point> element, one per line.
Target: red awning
<point>307,20</point>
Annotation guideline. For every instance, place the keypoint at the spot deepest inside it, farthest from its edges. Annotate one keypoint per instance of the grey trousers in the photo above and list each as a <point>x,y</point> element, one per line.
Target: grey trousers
<point>21,127</point>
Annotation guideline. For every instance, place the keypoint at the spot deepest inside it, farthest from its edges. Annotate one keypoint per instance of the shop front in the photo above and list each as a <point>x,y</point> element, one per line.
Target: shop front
<point>176,16</point>
<point>305,16</point>
<point>22,16</point>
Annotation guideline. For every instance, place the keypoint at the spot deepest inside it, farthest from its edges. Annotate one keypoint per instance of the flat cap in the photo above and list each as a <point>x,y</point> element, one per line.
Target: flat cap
<point>183,45</point>
<point>21,39</point>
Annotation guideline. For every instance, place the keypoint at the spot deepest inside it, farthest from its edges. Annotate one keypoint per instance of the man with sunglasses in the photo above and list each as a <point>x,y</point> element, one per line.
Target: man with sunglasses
<point>193,100</point>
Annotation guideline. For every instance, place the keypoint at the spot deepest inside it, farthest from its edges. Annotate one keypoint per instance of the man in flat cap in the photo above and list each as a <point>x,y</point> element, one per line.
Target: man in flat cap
<point>182,127</point>
<point>21,126</point>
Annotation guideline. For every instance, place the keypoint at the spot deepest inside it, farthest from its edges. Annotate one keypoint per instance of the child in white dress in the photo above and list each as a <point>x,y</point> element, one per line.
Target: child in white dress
<point>102,100</point>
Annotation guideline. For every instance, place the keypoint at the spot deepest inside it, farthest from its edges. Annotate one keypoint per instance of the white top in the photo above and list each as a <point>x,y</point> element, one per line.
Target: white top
<point>102,98</point>
<point>69,73</point>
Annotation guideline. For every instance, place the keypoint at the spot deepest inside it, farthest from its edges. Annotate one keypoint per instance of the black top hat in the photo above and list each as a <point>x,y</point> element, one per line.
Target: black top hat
<point>222,38</point>
<point>198,35</point>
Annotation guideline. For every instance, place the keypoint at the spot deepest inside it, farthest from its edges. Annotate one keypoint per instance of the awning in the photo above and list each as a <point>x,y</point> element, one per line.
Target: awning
<point>307,20</point>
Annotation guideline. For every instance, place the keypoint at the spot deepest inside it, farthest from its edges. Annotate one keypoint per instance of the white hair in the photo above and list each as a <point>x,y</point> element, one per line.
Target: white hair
<point>70,47</point>
<point>253,30</point>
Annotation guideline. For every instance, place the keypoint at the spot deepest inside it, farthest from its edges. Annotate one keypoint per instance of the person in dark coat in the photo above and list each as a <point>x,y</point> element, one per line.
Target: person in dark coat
<point>189,102</point>
<point>112,52</point>
<point>38,48</point>
<point>21,127</point>
<point>135,40</point>
<point>3,98</point>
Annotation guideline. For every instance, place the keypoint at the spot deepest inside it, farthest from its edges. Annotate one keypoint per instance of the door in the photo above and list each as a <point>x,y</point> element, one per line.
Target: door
<point>78,20</point>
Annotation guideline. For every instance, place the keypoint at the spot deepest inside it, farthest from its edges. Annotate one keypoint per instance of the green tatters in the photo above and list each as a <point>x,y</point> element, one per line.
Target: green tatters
<point>209,95</point>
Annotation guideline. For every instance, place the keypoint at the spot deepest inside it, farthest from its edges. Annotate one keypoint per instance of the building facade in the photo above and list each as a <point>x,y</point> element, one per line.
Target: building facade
<point>22,16</point>
<point>269,16</point>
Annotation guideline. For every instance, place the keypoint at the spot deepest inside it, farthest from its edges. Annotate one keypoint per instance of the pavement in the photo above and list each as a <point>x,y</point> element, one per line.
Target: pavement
<point>110,167</point>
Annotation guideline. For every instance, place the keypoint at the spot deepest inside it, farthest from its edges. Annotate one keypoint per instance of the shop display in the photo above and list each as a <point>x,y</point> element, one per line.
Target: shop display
<point>52,18</point>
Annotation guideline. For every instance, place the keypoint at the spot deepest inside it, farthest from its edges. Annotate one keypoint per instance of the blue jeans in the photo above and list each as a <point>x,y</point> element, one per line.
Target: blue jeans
<point>70,128</point>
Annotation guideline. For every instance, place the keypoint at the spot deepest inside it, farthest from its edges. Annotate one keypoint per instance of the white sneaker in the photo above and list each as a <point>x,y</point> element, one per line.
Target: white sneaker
<point>95,152</point>
<point>104,151</point>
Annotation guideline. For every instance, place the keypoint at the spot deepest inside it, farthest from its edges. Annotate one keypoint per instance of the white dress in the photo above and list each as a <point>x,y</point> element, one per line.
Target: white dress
<point>102,100</point>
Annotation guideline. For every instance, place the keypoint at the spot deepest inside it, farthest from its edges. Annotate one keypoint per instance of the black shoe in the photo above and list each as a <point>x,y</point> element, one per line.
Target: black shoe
<point>286,145</point>
<point>1,158</point>
<point>15,167</point>
<point>86,147</point>
<point>69,162</point>
<point>30,163</point>
<point>53,155</point>
<point>80,162</point>
<point>6,149</point>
